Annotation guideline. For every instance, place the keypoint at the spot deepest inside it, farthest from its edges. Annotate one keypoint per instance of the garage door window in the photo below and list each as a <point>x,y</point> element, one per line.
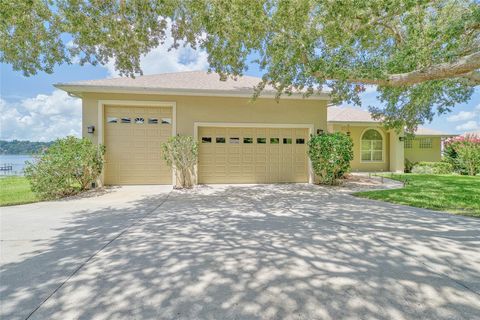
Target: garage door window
<point>287,140</point>
<point>247,140</point>
<point>112,119</point>
<point>206,139</point>
<point>126,120</point>
<point>166,120</point>
<point>300,141</point>
<point>261,140</point>
<point>274,140</point>
<point>152,121</point>
<point>220,140</point>
<point>139,120</point>
<point>234,140</point>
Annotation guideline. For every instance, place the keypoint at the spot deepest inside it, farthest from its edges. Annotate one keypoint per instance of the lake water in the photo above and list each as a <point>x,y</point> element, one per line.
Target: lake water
<point>16,161</point>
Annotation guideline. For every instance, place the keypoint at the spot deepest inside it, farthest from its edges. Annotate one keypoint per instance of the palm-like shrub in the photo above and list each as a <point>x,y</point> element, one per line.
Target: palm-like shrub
<point>70,165</point>
<point>330,154</point>
<point>181,153</point>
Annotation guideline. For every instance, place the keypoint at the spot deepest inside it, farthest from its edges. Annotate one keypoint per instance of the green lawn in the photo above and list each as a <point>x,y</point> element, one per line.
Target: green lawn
<point>15,190</point>
<point>451,193</point>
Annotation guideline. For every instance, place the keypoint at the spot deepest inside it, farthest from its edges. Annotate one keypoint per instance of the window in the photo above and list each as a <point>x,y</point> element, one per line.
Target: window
<point>126,120</point>
<point>300,141</point>
<point>261,140</point>
<point>220,140</point>
<point>139,120</point>
<point>234,140</point>
<point>166,120</point>
<point>408,144</point>
<point>248,140</point>
<point>425,143</point>
<point>372,146</point>
<point>152,121</point>
<point>112,119</point>
<point>287,140</point>
<point>206,139</point>
<point>274,140</point>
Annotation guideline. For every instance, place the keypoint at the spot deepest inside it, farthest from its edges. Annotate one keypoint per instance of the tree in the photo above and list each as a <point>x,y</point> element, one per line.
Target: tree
<point>181,153</point>
<point>423,55</point>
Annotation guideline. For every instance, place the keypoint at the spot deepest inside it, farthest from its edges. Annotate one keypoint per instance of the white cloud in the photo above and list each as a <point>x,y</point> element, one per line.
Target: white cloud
<point>161,60</point>
<point>477,107</point>
<point>42,118</point>
<point>462,116</point>
<point>469,125</point>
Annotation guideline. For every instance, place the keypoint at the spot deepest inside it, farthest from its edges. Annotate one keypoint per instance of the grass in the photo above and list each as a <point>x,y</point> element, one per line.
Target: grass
<point>450,193</point>
<point>15,190</point>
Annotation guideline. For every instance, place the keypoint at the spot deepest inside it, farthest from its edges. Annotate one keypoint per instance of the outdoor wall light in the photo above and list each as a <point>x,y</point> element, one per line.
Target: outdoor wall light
<point>319,131</point>
<point>91,129</point>
<point>348,133</point>
<point>401,139</point>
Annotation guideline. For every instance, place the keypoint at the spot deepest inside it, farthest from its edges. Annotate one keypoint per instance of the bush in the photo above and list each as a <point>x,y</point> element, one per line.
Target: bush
<point>463,153</point>
<point>70,165</point>
<point>432,168</point>
<point>409,166</point>
<point>181,153</point>
<point>330,154</point>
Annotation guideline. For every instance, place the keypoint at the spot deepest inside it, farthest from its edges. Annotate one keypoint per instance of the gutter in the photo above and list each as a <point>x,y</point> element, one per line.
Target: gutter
<point>79,89</point>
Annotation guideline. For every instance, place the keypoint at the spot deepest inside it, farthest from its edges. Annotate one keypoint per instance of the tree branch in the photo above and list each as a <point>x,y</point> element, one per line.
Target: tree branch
<point>465,67</point>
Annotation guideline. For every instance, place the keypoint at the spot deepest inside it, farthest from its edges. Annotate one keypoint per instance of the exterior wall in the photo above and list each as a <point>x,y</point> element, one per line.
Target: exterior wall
<point>191,109</point>
<point>415,154</point>
<point>355,134</point>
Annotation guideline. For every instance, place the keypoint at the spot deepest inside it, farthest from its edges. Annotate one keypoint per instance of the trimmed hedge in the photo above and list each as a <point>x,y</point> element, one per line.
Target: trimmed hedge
<point>330,154</point>
<point>432,168</point>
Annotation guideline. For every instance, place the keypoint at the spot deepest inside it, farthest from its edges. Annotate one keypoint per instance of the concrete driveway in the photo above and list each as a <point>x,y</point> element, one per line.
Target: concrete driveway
<point>236,252</point>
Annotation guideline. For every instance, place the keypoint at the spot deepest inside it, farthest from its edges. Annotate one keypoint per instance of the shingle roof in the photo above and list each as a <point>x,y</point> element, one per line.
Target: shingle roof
<point>352,115</point>
<point>190,82</point>
<point>348,114</point>
<point>476,133</point>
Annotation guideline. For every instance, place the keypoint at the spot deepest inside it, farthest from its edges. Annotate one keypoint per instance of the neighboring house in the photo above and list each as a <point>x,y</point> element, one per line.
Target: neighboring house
<point>240,140</point>
<point>373,149</point>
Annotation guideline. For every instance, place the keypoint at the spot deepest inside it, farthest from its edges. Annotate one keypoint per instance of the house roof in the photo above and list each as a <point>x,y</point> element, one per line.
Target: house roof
<point>178,83</point>
<point>357,115</point>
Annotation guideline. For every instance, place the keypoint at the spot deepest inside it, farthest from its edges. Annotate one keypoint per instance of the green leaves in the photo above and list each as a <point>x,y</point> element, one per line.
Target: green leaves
<point>181,153</point>
<point>70,165</point>
<point>412,50</point>
<point>330,154</point>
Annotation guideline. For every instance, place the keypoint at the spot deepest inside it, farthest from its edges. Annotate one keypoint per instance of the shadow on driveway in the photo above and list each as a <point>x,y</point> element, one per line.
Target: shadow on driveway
<point>253,252</point>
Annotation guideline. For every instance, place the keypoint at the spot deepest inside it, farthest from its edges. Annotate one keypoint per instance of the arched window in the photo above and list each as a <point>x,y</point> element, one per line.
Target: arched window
<point>372,146</point>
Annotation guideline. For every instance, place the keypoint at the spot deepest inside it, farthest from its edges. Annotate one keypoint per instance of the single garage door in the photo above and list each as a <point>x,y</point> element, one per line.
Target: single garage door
<point>252,155</point>
<point>133,136</point>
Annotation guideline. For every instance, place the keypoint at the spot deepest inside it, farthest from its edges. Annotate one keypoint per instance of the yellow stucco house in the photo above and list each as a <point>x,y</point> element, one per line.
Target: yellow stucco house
<point>240,140</point>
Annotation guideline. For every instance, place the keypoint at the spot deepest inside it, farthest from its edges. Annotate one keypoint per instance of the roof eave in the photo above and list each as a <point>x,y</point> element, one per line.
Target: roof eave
<point>80,89</point>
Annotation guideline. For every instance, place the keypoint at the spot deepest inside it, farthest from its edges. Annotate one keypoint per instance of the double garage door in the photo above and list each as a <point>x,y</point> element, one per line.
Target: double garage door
<point>252,155</point>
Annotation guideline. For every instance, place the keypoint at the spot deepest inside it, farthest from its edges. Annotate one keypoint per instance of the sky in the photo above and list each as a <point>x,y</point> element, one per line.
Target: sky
<point>31,108</point>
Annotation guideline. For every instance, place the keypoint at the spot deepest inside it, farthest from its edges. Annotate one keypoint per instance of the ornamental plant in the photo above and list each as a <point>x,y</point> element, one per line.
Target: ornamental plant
<point>330,154</point>
<point>463,153</point>
<point>69,166</point>
<point>181,153</point>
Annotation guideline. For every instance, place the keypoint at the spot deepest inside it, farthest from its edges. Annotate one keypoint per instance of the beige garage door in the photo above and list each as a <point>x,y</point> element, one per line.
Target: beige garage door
<point>132,138</point>
<point>252,155</point>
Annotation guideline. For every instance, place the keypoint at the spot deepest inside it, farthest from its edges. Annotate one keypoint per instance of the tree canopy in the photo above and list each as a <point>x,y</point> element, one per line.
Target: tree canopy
<point>423,56</point>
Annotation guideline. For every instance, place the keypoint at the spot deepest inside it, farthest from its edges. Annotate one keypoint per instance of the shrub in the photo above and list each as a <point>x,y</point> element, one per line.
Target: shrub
<point>70,165</point>
<point>330,154</point>
<point>463,153</point>
<point>432,168</point>
<point>181,153</point>
<point>409,166</point>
